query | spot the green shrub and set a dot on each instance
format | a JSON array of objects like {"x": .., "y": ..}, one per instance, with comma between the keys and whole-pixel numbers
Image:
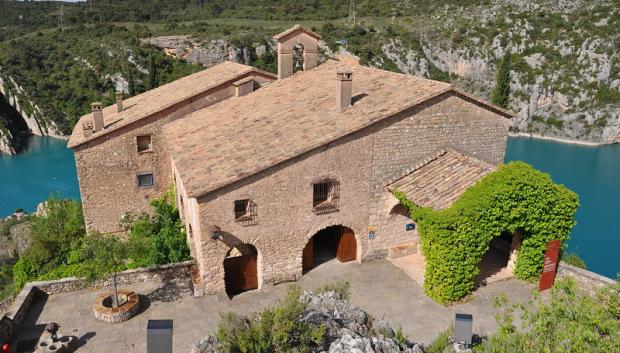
[
  {"x": 400, "y": 337},
  {"x": 440, "y": 343},
  {"x": 276, "y": 329},
  {"x": 161, "y": 236},
  {"x": 514, "y": 198},
  {"x": 571, "y": 320},
  {"x": 55, "y": 235},
  {"x": 60, "y": 248},
  {"x": 342, "y": 288},
  {"x": 6, "y": 281},
  {"x": 572, "y": 258}
]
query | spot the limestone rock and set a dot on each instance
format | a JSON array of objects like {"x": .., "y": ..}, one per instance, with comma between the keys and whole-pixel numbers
[{"x": 348, "y": 328}]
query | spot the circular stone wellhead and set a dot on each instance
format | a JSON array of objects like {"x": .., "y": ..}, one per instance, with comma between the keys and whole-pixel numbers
[{"x": 129, "y": 304}]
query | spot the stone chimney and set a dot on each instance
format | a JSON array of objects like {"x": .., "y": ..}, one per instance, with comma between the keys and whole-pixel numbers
[
  {"x": 244, "y": 86},
  {"x": 119, "y": 102},
  {"x": 87, "y": 127},
  {"x": 344, "y": 88},
  {"x": 97, "y": 116}
]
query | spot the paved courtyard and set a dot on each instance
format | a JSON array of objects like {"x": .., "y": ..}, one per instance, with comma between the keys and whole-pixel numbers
[{"x": 378, "y": 287}]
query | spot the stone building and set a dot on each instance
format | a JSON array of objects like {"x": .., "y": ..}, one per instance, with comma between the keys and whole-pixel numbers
[{"x": 274, "y": 176}]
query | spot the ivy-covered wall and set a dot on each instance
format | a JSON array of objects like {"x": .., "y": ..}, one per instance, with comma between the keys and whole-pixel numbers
[{"x": 514, "y": 197}]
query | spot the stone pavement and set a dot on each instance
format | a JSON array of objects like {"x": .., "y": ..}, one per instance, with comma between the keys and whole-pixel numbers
[{"x": 377, "y": 287}]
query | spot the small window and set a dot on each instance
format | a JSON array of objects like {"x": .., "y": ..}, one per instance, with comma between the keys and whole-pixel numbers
[
  {"x": 144, "y": 143},
  {"x": 245, "y": 212},
  {"x": 325, "y": 196},
  {"x": 145, "y": 180}
]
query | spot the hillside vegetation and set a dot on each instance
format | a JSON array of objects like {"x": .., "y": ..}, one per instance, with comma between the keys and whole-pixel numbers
[{"x": 564, "y": 65}]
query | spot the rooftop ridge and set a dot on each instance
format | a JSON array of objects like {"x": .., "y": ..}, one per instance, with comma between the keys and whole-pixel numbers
[{"x": 112, "y": 117}]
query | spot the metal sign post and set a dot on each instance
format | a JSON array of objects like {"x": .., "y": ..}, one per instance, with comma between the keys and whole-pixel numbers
[{"x": 550, "y": 265}]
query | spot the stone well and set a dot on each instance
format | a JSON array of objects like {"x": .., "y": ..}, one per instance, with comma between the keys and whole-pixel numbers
[{"x": 129, "y": 304}]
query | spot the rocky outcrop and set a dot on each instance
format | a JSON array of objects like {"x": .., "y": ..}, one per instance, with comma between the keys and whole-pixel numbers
[
  {"x": 348, "y": 328},
  {"x": 15, "y": 237},
  {"x": 33, "y": 116},
  {"x": 19, "y": 116},
  {"x": 207, "y": 53},
  {"x": 565, "y": 72}
]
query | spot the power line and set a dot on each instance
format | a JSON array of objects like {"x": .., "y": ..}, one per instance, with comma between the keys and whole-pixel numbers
[
  {"x": 61, "y": 17},
  {"x": 352, "y": 11}
]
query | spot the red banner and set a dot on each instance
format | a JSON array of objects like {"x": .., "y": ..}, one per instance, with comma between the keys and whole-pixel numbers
[{"x": 550, "y": 266}]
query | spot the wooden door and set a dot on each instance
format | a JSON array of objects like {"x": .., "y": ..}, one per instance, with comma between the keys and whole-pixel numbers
[
  {"x": 240, "y": 273},
  {"x": 347, "y": 246},
  {"x": 307, "y": 261}
]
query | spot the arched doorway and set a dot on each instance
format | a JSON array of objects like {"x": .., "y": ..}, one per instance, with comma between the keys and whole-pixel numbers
[
  {"x": 240, "y": 269},
  {"x": 494, "y": 263},
  {"x": 332, "y": 242}
]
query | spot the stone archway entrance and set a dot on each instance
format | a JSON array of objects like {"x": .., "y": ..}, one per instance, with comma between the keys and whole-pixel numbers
[
  {"x": 498, "y": 262},
  {"x": 332, "y": 242},
  {"x": 240, "y": 269}
]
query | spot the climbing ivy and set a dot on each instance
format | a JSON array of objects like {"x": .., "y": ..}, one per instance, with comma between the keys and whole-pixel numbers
[{"x": 515, "y": 197}]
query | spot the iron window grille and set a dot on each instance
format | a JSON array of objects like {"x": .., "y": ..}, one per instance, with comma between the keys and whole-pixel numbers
[
  {"x": 245, "y": 212},
  {"x": 325, "y": 196},
  {"x": 146, "y": 180}
]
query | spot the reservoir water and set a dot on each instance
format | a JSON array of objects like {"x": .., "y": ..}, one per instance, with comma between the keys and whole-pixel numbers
[
  {"x": 593, "y": 172},
  {"x": 45, "y": 166}
]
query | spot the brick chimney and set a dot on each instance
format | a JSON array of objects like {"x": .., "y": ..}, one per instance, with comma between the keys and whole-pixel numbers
[
  {"x": 119, "y": 102},
  {"x": 87, "y": 127},
  {"x": 97, "y": 116},
  {"x": 344, "y": 87}
]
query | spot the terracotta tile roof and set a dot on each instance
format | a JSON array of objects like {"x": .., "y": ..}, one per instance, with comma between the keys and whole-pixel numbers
[
  {"x": 441, "y": 179},
  {"x": 160, "y": 98},
  {"x": 242, "y": 136},
  {"x": 296, "y": 28}
]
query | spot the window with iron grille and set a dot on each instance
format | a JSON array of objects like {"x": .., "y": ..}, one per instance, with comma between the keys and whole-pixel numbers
[
  {"x": 245, "y": 212},
  {"x": 325, "y": 196}
]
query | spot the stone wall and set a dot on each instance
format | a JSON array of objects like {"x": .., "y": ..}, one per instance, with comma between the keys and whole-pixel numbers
[
  {"x": 155, "y": 273},
  {"x": 361, "y": 162},
  {"x": 285, "y": 219},
  {"x": 446, "y": 122},
  {"x": 587, "y": 280},
  {"x": 12, "y": 319},
  {"x": 108, "y": 167}
]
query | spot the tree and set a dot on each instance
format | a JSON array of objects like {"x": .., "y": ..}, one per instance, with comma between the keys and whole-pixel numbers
[
  {"x": 107, "y": 257},
  {"x": 501, "y": 94},
  {"x": 152, "y": 79}
]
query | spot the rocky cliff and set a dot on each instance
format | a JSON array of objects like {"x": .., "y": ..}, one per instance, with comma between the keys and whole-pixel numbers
[
  {"x": 348, "y": 329},
  {"x": 19, "y": 116},
  {"x": 565, "y": 67}
]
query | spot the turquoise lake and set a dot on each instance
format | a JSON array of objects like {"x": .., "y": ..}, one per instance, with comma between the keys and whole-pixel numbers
[
  {"x": 46, "y": 166},
  {"x": 593, "y": 172}
]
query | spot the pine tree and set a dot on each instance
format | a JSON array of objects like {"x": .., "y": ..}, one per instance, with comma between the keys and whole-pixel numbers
[
  {"x": 501, "y": 94},
  {"x": 152, "y": 81}
]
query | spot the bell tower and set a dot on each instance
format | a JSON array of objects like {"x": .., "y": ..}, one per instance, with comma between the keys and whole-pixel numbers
[{"x": 288, "y": 40}]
